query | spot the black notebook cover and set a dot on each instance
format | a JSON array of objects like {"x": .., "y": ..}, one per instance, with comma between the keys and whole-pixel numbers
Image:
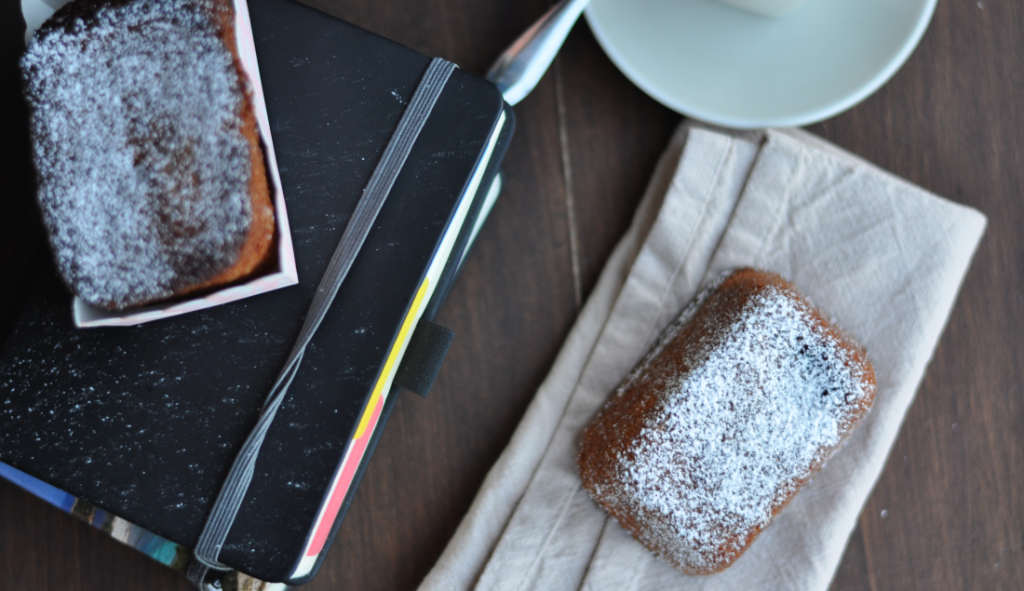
[{"x": 145, "y": 421}]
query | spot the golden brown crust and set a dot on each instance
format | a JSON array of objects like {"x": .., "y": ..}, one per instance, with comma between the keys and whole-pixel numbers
[
  {"x": 195, "y": 205},
  {"x": 256, "y": 249},
  {"x": 638, "y": 422}
]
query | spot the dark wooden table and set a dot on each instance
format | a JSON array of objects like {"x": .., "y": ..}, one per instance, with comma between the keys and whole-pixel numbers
[{"x": 948, "y": 512}]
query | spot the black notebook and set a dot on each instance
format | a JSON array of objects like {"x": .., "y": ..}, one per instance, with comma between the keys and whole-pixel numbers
[{"x": 145, "y": 421}]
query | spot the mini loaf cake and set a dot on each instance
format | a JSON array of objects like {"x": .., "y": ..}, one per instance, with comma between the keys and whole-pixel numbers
[
  {"x": 151, "y": 178},
  {"x": 716, "y": 431}
]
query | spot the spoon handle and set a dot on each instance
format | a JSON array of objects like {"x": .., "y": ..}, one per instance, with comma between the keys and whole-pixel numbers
[{"x": 521, "y": 66}]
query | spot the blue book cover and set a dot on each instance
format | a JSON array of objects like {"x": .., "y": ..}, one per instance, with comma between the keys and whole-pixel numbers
[{"x": 159, "y": 549}]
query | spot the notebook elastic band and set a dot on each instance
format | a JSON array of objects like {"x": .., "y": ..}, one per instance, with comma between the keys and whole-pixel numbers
[{"x": 233, "y": 491}]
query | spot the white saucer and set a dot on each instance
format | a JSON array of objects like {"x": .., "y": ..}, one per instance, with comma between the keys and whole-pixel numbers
[{"x": 725, "y": 66}]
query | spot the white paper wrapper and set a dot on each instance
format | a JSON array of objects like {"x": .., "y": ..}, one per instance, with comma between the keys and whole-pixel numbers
[{"x": 284, "y": 272}]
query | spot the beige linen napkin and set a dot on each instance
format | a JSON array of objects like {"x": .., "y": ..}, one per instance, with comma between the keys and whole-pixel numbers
[{"x": 883, "y": 257}]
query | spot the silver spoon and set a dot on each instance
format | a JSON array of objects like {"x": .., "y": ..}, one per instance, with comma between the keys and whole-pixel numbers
[{"x": 522, "y": 65}]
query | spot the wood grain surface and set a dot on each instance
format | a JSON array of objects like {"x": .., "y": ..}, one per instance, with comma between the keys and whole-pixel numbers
[{"x": 948, "y": 512}]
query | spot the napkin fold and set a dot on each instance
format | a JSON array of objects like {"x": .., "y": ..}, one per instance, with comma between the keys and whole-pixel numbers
[{"x": 883, "y": 257}]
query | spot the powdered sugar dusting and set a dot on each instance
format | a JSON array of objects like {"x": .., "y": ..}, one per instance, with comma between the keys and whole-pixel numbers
[
  {"x": 764, "y": 396},
  {"x": 144, "y": 171}
]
